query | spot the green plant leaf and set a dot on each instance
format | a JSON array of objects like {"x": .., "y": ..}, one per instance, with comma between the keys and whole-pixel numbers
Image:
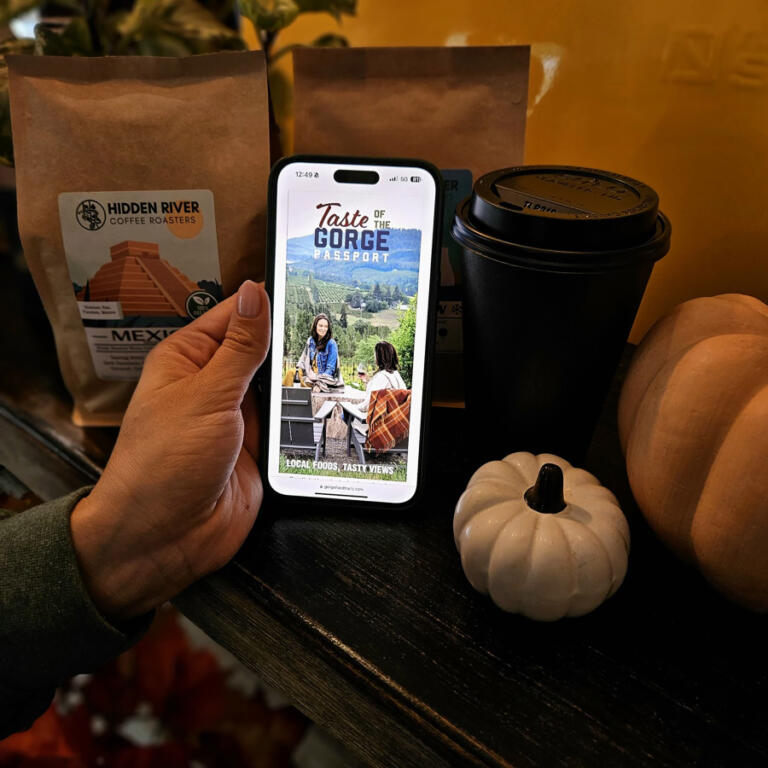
[
  {"x": 78, "y": 6},
  {"x": 250, "y": 9},
  {"x": 329, "y": 40},
  {"x": 186, "y": 20},
  {"x": 337, "y": 8},
  {"x": 8, "y": 46},
  {"x": 222, "y": 9},
  {"x": 271, "y": 16},
  {"x": 193, "y": 21},
  {"x": 163, "y": 45},
  {"x": 14, "y": 45},
  {"x": 72, "y": 40}
]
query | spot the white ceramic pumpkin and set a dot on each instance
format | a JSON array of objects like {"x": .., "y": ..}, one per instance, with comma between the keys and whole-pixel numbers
[{"x": 541, "y": 537}]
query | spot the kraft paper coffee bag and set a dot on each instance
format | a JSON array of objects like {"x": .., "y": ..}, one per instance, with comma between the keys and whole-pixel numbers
[
  {"x": 463, "y": 109},
  {"x": 141, "y": 200}
]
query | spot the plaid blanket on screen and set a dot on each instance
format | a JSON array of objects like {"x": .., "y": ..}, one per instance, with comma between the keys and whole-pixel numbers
[{"x": 389, "y": 415}]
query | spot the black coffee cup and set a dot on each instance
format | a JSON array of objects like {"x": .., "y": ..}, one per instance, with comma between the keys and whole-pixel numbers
[{"x": 556, "y": 260}]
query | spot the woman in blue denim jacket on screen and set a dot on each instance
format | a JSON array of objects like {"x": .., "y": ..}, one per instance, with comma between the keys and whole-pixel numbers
[{"x": 319, "y": 362}]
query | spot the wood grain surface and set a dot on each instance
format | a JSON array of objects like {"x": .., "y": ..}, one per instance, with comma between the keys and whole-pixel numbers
[{"x": 368, "y": 624}]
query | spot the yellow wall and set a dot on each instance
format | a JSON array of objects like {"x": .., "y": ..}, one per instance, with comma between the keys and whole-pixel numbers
[{"x": 675, "y": 94}]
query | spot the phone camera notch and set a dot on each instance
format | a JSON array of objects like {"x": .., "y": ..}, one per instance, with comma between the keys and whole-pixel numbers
[{"x": 348, "y": 176}]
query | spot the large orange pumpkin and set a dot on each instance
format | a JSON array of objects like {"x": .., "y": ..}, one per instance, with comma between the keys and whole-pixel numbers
[{"x": 693, "y": 423}]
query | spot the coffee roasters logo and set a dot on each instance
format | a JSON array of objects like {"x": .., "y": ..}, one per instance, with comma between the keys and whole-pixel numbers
[{"x": 90, "y": 215}]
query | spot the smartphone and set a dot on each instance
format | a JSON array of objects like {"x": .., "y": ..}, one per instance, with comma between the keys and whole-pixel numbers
[{"x": 352, "y": 269}]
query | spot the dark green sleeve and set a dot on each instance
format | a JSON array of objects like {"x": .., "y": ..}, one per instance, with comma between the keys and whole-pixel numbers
[{"x": 49, "y": 627}]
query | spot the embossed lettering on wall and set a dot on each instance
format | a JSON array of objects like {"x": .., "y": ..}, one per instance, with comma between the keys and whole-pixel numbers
[{"x": 736, "y": 56}]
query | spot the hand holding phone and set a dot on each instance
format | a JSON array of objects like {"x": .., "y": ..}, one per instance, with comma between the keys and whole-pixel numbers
[{"x": 352, "y": 269}]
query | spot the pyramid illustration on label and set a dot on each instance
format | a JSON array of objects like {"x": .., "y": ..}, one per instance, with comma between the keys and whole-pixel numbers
[{"x": 141, "y": 281}]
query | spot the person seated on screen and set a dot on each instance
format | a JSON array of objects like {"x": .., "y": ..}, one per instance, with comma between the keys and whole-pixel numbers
[
  {"x": 386, "y": 377},
  {"x": 319, "y": 362}
]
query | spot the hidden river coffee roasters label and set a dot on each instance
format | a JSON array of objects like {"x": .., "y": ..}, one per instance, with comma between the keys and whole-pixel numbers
[{"x": 142, "y": 265}]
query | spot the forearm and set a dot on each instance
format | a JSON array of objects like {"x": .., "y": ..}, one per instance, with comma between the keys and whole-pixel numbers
[
  {"x": 176, "y": 500},
  {"x": 50, "y": 628}
]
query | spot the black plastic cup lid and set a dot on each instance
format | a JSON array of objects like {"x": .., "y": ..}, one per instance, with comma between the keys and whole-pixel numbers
[{"x": 574, "y": 219}]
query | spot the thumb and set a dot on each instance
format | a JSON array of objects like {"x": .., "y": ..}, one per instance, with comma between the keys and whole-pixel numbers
[{"x": 245, "y": 343}]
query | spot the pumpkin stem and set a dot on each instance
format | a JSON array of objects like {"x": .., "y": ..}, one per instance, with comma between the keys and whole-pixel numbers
[{"x": 546, "y": 496}]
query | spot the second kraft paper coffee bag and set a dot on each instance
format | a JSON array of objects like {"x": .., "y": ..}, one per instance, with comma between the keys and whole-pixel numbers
[
  {"x": 463, "y": 109},
  {"x": 142, "y": 202}
]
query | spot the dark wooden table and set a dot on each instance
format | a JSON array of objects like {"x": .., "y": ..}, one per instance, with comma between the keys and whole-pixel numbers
[{"x": 367, "y": 623}]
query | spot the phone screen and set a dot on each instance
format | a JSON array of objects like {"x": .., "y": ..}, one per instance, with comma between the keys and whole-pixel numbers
[{"x": 351, "y": 289}]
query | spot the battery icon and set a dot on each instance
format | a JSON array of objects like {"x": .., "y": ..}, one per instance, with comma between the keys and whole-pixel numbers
[{"x": 415, "y": 178}]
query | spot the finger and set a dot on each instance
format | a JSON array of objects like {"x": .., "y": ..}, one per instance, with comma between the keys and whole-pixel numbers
[
  {"x": 201, "y": 338},
  {"x": 188, "y": 349},
  {"x": 243, "y": 347}
]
